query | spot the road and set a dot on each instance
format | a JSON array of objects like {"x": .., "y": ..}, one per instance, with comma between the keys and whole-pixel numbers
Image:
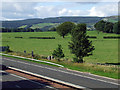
[
  {"x": 17, "y": 82},
  {"x": 77, "y": 78}
]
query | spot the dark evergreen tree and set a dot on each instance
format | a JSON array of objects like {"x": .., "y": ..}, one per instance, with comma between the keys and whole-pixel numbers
[
  {"x": 80, "y": 45},
  {"x": 100, "y": 25},
  {"x": 64, "y": 28},
  {"x": 116, "y": 27},
  {"x": 108, "y": 27},
  {"x": 58, "y": 53}
]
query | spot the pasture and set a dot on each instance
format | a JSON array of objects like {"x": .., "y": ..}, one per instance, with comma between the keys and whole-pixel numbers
[{"x": 106, "y": 50}]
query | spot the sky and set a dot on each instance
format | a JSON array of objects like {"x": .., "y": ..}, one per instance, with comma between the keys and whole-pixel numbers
[{"x": 24, "y": 9}]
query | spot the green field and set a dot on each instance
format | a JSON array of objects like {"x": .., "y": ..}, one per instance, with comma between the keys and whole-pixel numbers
[
  {"x": 24, "y": 26},
  {"x": 41, "y": 25},
  {"x": 106, "y": 50}
]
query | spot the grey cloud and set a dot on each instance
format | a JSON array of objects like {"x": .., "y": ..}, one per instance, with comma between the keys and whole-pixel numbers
[{"x": 17, "y": 10}]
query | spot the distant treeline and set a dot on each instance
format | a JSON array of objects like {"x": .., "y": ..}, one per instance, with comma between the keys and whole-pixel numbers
[
  {"x": 108, "y": 27},
  {"x": 19, "y": 30}
]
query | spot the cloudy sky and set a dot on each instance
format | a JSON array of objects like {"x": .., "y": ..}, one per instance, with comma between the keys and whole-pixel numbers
[{"x": 16, "y": 10}]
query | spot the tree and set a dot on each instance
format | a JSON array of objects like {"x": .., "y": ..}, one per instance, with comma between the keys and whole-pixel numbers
[
  {"x": 64, "y": 28},
  {"x": 80, "y": 45},
  {"x": 108, "y": 27},
  {"x": 53, "y": 29},
  {"x": 58, "y": 53},
  {"x": 100, "y": 25},
  {"x": 116, "y": 27}
]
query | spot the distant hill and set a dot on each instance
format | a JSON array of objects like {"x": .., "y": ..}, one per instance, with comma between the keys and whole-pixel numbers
[
  {"x": 112, "y": 19},
  {"x": 50, "y": 22}
]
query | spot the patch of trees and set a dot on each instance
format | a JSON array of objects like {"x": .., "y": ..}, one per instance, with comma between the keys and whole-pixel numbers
[
  {"x": 108, "y": 27},
  {"x": 20, "y": 30}
]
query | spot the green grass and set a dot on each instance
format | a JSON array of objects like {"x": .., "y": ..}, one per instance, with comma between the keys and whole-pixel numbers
[
  {"x": 23, "y": 26},
  {"x": 106, "y": 50},
  {"x": 41, "y": 25},
  {"x": 106, "y": 71}
]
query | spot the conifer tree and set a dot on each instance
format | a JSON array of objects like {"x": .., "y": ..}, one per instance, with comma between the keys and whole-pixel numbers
[
  {"x": 80, "y": 45},
  {"x": 58, "y": 53}
]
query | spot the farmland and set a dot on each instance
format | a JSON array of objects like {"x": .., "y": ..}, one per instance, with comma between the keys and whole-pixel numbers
[{"x": 106, "y": 50}]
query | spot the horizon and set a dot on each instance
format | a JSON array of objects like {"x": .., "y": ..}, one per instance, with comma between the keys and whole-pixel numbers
[{"x": 58, "y": 17}]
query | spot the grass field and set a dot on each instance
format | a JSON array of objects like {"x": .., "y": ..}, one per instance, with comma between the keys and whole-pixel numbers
[
  {"x": 41, "y": 25},
  {"x": 23, "y": 26},
  {"x": 106, "y": 50}
]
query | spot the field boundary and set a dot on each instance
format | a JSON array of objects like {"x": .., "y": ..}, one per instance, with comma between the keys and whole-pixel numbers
[{"x": 33, "y": 60}]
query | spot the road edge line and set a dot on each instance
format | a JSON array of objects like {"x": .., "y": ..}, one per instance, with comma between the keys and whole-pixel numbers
[{"x": 49, "y": 78}]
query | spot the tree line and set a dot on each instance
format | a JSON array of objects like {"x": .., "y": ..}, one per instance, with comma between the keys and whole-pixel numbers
[{"x": 108, "y": 27}]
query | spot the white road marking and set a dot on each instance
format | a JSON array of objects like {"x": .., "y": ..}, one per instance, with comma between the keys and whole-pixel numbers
[
  {"x": 49, "y": 78},
  {"x": 65, "y": 72},
  {"x": 32, "y": 81}
]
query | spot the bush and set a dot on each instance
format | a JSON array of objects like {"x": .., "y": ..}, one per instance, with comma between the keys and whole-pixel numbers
[
  {"x": 6, "y": 49},
  {"x": 37, "y": 57}
]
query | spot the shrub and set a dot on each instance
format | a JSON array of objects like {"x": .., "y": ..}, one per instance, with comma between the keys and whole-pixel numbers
[{"x": 6, "y": 49}]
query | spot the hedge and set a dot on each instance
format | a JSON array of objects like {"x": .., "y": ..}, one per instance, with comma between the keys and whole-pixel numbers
[
  {"x": 42, "y": 37},
  {"x": 111, "y": 37}
]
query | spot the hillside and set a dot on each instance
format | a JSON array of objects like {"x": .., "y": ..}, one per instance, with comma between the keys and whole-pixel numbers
[
  {"x": 112, "y": 19},
  {"x": 50, "y": 22}
]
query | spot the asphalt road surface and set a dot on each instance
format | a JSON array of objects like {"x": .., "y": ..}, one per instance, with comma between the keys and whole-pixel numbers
[
  {"x": 12, "y": 81},
  {"x": 77, "y": 78}
]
